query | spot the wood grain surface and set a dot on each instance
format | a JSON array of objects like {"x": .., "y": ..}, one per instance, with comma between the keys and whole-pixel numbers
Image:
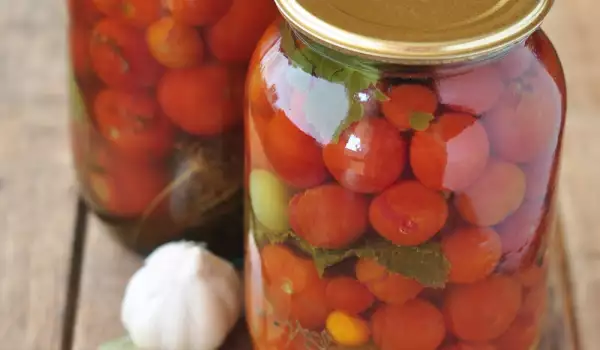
[
  {"x": 38, "y": 196},
  {"x": 106, "y": 269},
  {"x": 37, "y": 193},
  {"x": 575, "y": 35}
]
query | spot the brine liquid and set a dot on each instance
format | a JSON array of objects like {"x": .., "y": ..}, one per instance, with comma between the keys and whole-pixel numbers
[
  {"x": 399, "y": 212},
  {"x": 157, "y": 90}
]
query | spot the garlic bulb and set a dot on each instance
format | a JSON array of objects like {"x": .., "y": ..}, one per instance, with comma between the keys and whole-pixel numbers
[{"x": 183, "y": 298}]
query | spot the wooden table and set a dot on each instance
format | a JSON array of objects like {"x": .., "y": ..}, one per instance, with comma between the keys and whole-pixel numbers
[{"x": 61, "y": 278}]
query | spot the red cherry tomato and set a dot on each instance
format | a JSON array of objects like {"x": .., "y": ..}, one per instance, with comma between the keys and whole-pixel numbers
[
  {"x": 521, "y": 335},
  {"x": 483, "y": 310},
  {"x": 311, "y": 214},
  {"x": 469, "y": 346},
  {"x": 540, "y": 176},
  {"x": 451, "y": 154},
  {"x": 107, "y": 7},
  {"x": 268, "y": 86},
  {"x": 120, "y": 56},
  {"x": 133, "y": 123},
  {"x": 517, "y": 61},
  {"x": 408, "y": 213},
  {"x": 417, "y": 324},
  {"x": 173, "y": 44},
  {"x": 83, "y": 11},
  {"x": 348, "y": 295},
  {"x": 206, "y": 100},
  {"x": 141, "y": 13},
  {"x": 123, "y": 188},
  {"x": 518, "y": 233},
  {"x": 473, "y": 253},
  {"x": 404, "y": 100},
  {"x": 79, "y": 48},
  {"x": 138, "y": 13},
  {"x": 474, "y": 92},
  {"x": 497, "y": 193},
  {"x": 198, "y": 12},
  {"x": 295, "y": 156},
  {"x": 369, "y": 156},
  {"x": 389, "y": 287},
  {"x": 234, "y": 37},
  {"x": 527, "y": 122}
]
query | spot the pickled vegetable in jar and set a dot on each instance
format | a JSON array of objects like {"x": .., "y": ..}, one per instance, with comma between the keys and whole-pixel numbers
[
  {"x": 401, "y": 170},
  {"x": 157, "y": 90}
]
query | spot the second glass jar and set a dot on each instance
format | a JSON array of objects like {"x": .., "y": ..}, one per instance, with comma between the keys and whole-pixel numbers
[
  {"x": 399, "y": 208},
  {"x": 157, "y": 91}
]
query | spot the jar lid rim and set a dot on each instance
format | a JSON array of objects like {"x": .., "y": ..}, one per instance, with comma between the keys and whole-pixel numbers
[{"x": 416, "y": 32}]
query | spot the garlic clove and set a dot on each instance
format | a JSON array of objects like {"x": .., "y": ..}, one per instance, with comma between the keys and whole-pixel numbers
[{"x": 184, "y": 297}]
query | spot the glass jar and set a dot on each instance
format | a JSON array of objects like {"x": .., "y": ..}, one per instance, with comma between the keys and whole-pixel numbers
[
  {"x": 156, "y": 121},
  {"x": 401, "y": 178}
]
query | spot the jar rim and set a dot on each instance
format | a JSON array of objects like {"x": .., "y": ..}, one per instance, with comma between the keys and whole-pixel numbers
[{"x": 416, "y": 32}]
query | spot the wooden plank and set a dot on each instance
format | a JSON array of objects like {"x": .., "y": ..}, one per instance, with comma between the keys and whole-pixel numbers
[
  {"x": 560, "y": 330},
  {"x": 107, "y": 266},
  {"x": 575, "y": 36},
  {"x": 37, "y": 196}
]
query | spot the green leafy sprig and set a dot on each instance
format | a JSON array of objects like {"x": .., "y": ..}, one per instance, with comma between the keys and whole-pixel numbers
[
  {"x": 78, "y": 108},
  {"x": 420, "y": 121},
  {"x": 310, "y": 339},
  {"x": 123, "y": 343},
  {"x": 355, "y": 74},
  {"x": 425, "y": 263}
]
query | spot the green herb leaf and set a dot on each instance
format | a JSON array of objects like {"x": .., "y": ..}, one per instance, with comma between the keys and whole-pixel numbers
[
  {"x": 263, "y": 235},
  {"x": 124, "y": 343},
  {"x": 324, "y": 258},
  {"x": 312, "y": 340},
  {"x": 356, "y": 75},
  {"x": 358, "y": 82},
  {"x": 327, "y": 69},
  {"x": 380, "y": 96},
  {"x": 299, "y": 58},
  {"x": 424, "y": 263},
  {"x": 287, "y": 39},
  {"x": 420, "y": 121},
  {"x": 320, "y": 63},
  {"x": 340, "y": 76},
  {"x": 355, "y": 113},
  {"x": 78, "y": 109},
  {"x": 369, "y": 346},
  {"x": 301, "y": 61},
  {"x": 539, "y": 261},
  {"x": 542, "y": 252}
]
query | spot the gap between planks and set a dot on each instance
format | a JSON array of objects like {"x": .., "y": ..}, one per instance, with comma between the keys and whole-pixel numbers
[{"x": 74, "y": 278}]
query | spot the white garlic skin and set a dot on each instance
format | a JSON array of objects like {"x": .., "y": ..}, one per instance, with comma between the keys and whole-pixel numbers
[{"x": 183, "y": 298}]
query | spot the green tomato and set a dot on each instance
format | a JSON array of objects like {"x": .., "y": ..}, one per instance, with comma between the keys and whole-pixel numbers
[{"x": 269, "y": 197}]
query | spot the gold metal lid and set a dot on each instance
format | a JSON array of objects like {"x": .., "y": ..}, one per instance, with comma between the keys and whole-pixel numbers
[{"x": 416, "y": 31}]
